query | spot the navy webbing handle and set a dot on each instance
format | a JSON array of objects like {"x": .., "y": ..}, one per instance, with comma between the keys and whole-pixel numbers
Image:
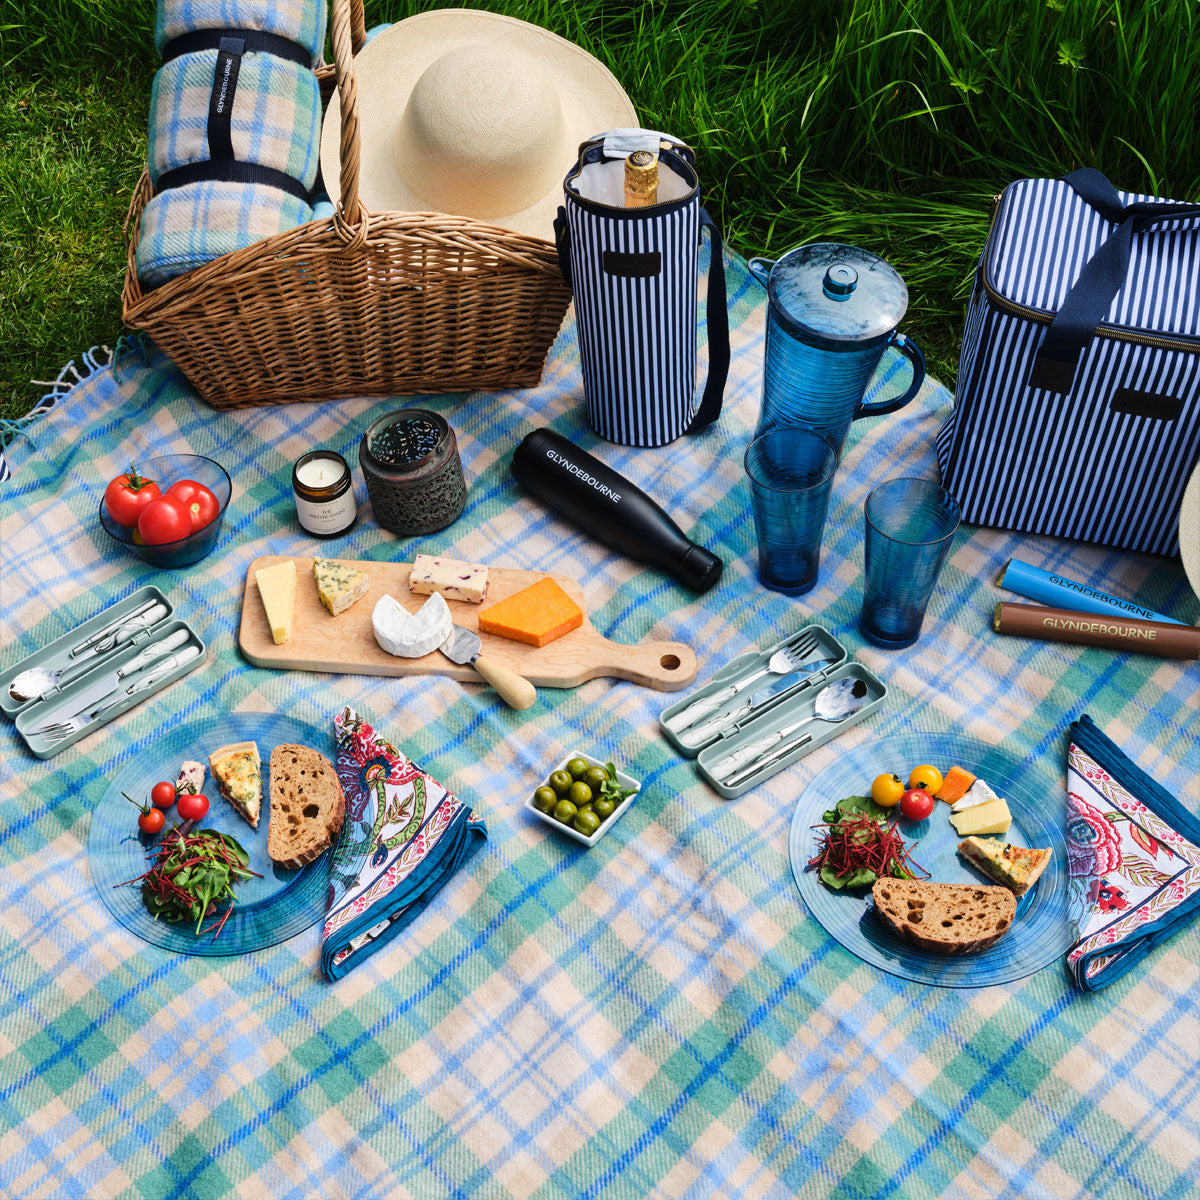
[{"x": 1088, "y": 302}]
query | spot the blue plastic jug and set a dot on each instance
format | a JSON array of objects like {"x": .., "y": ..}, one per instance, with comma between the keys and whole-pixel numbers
[{"x": 833, "y": 310}]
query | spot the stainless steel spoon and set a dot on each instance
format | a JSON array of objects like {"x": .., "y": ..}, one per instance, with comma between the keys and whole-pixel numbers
[{"x": 833, "y": 703}]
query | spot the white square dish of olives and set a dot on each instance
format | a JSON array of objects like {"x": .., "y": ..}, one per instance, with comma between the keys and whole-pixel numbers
[{"x": 625, "y": 783}]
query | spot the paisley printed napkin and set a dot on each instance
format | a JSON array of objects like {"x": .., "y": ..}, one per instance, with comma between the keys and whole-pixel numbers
[
  {"x": 1133, "y": 860},
  {"x": 405, "y": 836}
]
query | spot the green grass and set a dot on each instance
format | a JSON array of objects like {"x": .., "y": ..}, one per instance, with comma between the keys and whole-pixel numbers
[{"x": 885, "y": 123}]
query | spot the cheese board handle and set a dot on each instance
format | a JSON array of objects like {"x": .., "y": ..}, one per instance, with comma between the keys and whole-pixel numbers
[
  {"x": 516, "y": 691},
  {"x": 666, "y": 666}
]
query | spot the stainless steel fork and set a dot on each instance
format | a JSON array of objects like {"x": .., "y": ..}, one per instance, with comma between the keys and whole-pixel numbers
[{"x": 788, "y": 658}]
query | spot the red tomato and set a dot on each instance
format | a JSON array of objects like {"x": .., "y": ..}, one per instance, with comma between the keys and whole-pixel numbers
[
  {"x": 152, "y": 821},
  {"x": 916, "y": 804},
  {"x": 164, "y": 520},
  {"x": 127, "y": 495},
  {"x": 202, "y": 505},
  {"x": 193, "y": 806},
  {"x": 162, "y": 795}
]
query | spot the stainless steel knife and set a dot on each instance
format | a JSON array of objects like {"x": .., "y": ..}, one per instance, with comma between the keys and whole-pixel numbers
[
  {"x": 110, "y": 681},
  {"x": 463, "y": 646}
]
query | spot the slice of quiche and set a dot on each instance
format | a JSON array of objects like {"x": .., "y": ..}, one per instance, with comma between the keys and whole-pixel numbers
[
  {"x": 238, "y": 772},
  {"x": 1017, "y": 868}
]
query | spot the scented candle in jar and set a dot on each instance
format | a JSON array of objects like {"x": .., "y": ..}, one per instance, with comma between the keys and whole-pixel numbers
[{"x": 324, "y": 491}]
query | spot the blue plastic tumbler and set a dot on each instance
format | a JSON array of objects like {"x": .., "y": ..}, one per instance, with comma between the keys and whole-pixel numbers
[
  {"x": 911, "y": 524},
  {"x": 790, "y": 473},
  {"x": 832, "y": 312}
]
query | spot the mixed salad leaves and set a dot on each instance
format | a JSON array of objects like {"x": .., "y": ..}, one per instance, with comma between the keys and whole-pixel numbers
[{"x": 859, "y": 845}]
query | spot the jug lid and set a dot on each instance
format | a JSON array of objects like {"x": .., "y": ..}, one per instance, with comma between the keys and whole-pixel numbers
[{"x": 840, "y": 293}]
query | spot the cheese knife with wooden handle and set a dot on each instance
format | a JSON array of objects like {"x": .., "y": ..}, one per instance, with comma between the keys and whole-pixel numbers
[{"x": 463, "y": 647}]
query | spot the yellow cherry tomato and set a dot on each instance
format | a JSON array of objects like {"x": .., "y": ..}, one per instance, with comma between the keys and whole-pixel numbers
[
  {"x": 926, "y": 777},
  {"x": 886, "y": 790}
]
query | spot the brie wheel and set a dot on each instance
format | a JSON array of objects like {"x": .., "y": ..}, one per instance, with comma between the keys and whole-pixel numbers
[{"x": 411, "y": 635}]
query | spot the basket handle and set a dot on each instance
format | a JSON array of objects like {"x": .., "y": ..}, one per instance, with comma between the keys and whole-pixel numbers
[{"x": 348, "y": 29}]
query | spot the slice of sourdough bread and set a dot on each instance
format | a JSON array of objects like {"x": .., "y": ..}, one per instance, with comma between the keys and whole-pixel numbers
[
  {"x": 945, "y": 918},
  {"x": 307, "y": 806}
]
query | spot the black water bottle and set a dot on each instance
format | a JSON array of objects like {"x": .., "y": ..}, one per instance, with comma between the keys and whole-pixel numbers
[{"x": 607, "y": 506}]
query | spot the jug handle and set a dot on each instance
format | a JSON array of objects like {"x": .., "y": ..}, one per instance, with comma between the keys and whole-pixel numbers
[
  {"x": 912, "y": 352},
  {"x": 760, "y": 268}
]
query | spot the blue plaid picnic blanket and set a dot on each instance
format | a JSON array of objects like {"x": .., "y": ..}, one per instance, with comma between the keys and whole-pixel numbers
[{"x": 654, "y": 1017}]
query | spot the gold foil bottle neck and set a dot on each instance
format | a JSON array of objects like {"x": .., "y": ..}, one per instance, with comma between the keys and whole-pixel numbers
[{"x": 641, "y": 179}]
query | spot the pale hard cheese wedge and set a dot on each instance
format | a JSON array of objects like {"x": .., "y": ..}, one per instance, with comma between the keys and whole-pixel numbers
[
  {"x": 978, "y": 793},
  {"x": 992, "y": 817},
  {"x": 277, "y": 587},
  {"x": 448, "y": 577},
  {"x": 338, "y": 584},
  {"x": 411, "y": 635}
]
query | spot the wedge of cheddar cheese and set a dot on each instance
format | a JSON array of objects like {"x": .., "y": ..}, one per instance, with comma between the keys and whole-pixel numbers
[
  {"x": 277, "y": 587},
  {"x": 535, "y": 615}
]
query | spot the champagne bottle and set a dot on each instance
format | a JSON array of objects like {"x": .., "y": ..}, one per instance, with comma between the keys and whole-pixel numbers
[{"x": 641, "y": 179}]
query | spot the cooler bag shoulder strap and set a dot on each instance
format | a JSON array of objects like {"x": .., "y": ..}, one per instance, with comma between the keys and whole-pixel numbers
[
  {"x": 1088, "y": 301},
  {"x": 717, "y": 317}
]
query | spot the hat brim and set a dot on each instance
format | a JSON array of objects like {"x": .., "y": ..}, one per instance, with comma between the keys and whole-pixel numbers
[
  {"x": 1189, "y": 530},
  {"x": 388, "y": 67}
]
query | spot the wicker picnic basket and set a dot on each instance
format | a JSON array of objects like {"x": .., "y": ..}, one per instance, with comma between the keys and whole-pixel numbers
[{"x": 359, "y": 303}]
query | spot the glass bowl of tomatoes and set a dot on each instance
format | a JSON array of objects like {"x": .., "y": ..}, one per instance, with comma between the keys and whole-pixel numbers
[{"x": 169, "y": 509}]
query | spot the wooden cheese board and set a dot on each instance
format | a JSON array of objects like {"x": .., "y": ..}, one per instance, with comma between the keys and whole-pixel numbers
[{"x": 346, "y": 644}]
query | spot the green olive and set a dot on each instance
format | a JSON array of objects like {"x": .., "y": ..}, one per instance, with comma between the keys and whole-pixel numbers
[
  {"x": 544, "y": 799},
  {"x": 588, "y": 807},
  {"x": 560, "y": 781},
  {"x": 565, "y": 811},
  {"x": 578, "y": 767},
  {"x": 587, "y": 823},
  {"x": 595, "y": 778},
  {"x": 580, "y": 793},
  {"x": 603, "y": 807}
]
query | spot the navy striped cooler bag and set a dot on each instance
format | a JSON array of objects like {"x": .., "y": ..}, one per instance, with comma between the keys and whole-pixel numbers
[
  {"x": 1077, "y": 411},
  {"x": 634, "y": 274}
]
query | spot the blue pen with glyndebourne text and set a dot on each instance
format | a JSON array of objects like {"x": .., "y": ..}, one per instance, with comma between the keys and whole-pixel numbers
[{"x": 1059, "y": 592}]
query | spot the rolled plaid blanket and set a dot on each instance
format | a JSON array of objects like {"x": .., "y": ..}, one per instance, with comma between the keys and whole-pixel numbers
[
  {"x": 235, "y": 127},
  {"x": 275, "y": 117},
  {"x": 186, "y": 227},
  {"x": 301, "y": 21}
]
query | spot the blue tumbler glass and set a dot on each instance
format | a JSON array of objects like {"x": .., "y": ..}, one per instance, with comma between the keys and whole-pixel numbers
[
  {"x": 832, "y": 312},
  {"x": 911, "y": 524},
  {"x": 790, "y": 473}
]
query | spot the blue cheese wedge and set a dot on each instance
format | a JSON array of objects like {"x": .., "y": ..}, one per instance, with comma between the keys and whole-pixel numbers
[
  {"x": 411, "y": 635},
  {"x": 978, "y": 793},
  {"x": 448, "y": 577},
  {"x": 238, "y": 772},
  {"x": 338, "y": 584}
]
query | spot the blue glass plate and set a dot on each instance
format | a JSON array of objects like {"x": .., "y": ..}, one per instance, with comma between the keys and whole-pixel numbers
[
  {"x": 1038, "y": 936},
  {"x": 268, "y": 910}
]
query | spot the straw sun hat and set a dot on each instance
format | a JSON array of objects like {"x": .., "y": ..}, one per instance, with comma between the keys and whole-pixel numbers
[
  {"x": 472, "y": 113},
  {"x": 1189, "y": 530}
]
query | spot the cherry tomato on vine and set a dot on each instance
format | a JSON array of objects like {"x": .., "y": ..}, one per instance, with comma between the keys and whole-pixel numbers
[
  {"x": 162, "y": 795},
  {"x": 127, "y": 495},
  {"x": 192, "y": 806},
  {"x": 916, "y": 804},
  {"x": 164, "y": 520},
  {"x": 150, "y": 820}
]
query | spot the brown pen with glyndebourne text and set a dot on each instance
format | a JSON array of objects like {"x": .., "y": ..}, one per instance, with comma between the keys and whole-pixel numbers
[{"x": 1091, "y": 629}]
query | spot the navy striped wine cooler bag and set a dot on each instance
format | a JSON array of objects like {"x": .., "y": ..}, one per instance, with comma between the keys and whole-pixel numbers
[
  {"x": 1077, "y": 411},
  {"x": 634, "y": 274}
]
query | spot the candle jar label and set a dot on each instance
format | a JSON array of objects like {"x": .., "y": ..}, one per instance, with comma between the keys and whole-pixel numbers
[{"x": 325, "y": 517}]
